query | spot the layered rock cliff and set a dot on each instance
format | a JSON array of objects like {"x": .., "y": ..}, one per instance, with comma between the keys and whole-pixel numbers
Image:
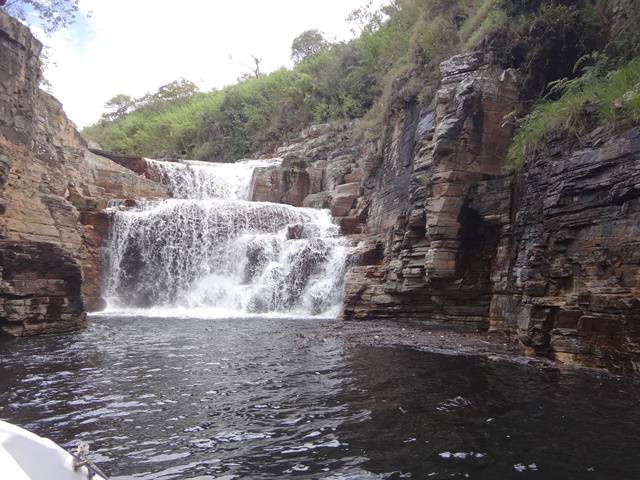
[
  {"x": 449, "y": 235},
  {"x": 52, "y": 192}
]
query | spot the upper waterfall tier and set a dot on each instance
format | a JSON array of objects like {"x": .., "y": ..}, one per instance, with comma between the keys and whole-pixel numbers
[
  {"x": 203, "y": 180},
  {"x": 209, "y": 249}
]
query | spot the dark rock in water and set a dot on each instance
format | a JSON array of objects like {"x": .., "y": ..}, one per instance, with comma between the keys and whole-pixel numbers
[
  {"x": 295, "y": 232},
  {"x": 260, "y": 252},
  {"x": 40, "y": 289}
]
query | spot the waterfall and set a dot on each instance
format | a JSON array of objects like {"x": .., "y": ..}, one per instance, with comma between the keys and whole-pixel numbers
[{"x": 210, "y": 251}]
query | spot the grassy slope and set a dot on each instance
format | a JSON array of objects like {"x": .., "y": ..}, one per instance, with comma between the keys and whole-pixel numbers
[{"x": 393, "y": 62}]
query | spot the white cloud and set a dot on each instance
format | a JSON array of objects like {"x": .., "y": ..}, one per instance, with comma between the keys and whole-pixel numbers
[{"x": 135, "y": 46}]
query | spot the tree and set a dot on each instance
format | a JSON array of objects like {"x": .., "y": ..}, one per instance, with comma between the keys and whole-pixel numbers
[
  {"x": 118, "y": 106},
  {"x": 176, "y": 90},
  {"x": 255, "y": 70},
  {"x": 51, "y": 15},
  {"x": 307, "y": 44},
  {"x": 171, "y": 92}
]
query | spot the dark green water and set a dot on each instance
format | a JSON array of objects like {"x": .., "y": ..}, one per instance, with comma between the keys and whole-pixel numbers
[{"x": 268, "y": 398}]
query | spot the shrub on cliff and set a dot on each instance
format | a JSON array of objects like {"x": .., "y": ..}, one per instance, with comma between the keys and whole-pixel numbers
[
  {"x": 577, "y": 63},
  {"x": 595, "y": 96}
]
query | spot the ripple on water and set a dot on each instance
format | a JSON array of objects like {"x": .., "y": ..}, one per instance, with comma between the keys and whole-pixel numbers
[{"x": 259, "y": 399}]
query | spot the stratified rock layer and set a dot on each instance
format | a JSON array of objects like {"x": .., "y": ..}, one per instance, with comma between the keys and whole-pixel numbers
[
  {"x": 319, "y": 170},
  {"x": 548, "y": 255},
  {"x": 568, "y": 284},
  {"x": 438, "y": 245},
  {"x": 40, "y": 289},
  {"x": 447, "y": 235},
  {"x": 52, "y": 189}
]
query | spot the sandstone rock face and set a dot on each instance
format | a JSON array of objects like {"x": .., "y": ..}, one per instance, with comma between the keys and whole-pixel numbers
[
  {"x": 52, "y": 188},
  {"x": 321, "y": 169},
  {"x": 287, "y": 183},
  {"x": 132, "y": 162},
  {"x": 40, "y": 289},
  {"x": 19, "y": 78},
  {"x": 447, "y": 235},
  {"x": 438, "y": 244},
  {"x": 548, "y": 255},
  {"x": 569, "y": 285}
]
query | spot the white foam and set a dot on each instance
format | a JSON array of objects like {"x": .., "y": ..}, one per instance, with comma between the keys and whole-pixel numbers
[{"x": 219, "y": 256}]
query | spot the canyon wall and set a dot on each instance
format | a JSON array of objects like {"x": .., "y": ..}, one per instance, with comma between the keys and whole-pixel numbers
[
  {"x": 447, "y": 234},
  {"x": 52, "y": 192}
]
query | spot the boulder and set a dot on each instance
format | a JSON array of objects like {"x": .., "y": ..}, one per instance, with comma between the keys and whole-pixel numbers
[
  {"x": 344, "y": 198},
  {"x": 317, "y": 200}
]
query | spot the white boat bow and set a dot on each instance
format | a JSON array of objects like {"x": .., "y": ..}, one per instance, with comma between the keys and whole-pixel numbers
[{"x": 27, "y": 456}]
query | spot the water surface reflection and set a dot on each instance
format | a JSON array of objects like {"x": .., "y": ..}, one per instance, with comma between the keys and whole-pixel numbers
[{"x": 272, "y": 398}]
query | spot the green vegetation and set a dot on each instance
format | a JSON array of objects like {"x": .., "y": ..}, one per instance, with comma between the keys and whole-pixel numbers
[
  {"x": 487, "y": 18},
  {"x": 594, "y": 96},
  {"x": 391, "y": 64},
  {"x": 577, "y": 67},
  {"x": 329, "y": 82},
  {"x": 50, "y": 15}
]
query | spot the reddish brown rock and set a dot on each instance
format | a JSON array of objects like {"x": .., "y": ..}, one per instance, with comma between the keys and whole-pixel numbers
[
  {"x": 548, "y": 256},
  {"x": 317, "y": 200},
  {"x": 52, "y": 187},
  {"x": 40, "y": 289},
  {"x": 133, "y": 162},
  {"x": 438, "y": 248},
  {"x": 568, "y": 287},
  {"x": 344, "y": 198},
  {"x": 280, "y": 184},
  {"x": 350, "y": 225}
]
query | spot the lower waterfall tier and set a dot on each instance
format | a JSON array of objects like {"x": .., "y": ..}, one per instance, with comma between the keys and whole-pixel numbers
[{"x": 233, "y": 256}]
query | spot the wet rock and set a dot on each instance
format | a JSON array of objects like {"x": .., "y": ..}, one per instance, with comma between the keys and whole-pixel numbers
[
  {"x": 295, "y": 232},
  {"x": 350, "y": 225},
  {"x": 280, "y": 184},
  {"x": 40, "y": 289},
  {"x": 259, "y": 253}
]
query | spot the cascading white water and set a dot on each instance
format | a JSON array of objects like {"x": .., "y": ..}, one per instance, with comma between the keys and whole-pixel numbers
[
  {"x": 211, "y": 249},
  {"x": 206, "y": 180}
]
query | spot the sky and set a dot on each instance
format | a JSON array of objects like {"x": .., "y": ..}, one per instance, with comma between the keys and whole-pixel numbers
[{"x": 135, "y": 46}]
